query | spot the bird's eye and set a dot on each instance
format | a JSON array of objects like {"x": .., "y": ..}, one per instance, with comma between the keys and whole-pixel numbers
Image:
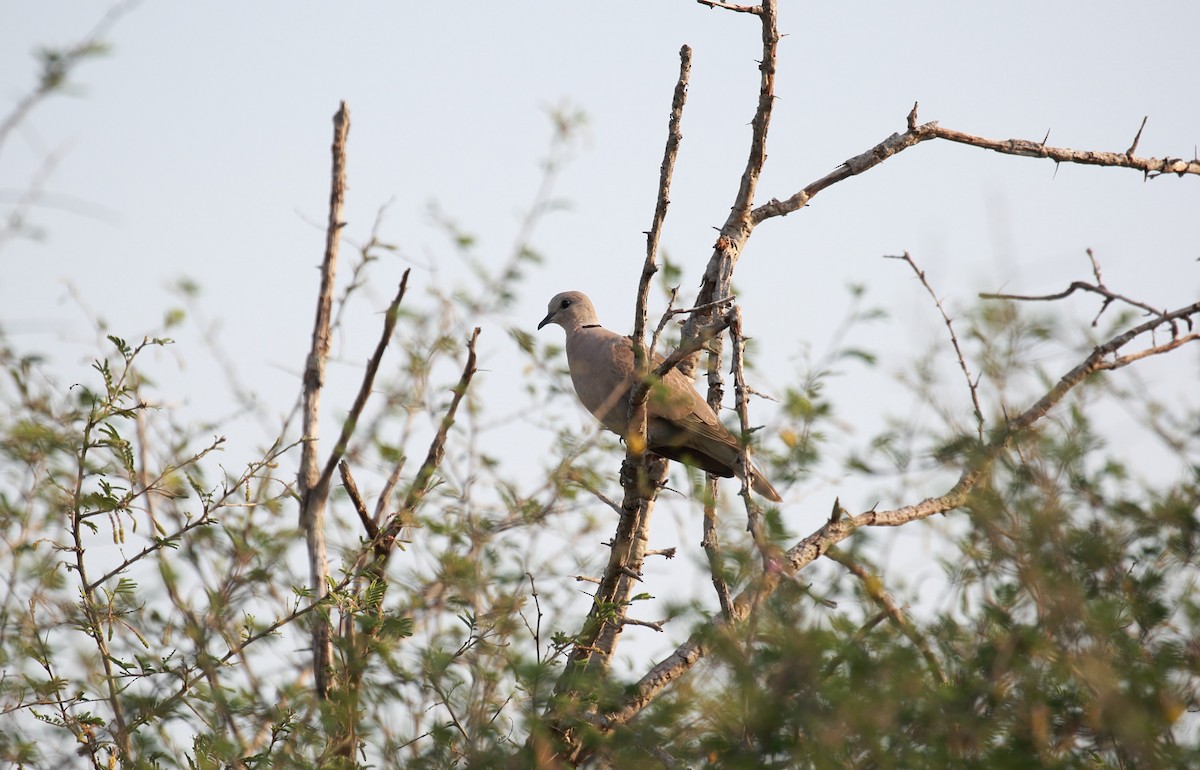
[{"x": 565, "y": 304}]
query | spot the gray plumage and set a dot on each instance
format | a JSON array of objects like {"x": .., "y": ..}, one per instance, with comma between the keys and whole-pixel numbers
[{"x": 679, "y": 423}]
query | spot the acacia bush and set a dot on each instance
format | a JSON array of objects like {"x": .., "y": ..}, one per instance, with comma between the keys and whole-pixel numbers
[{"x": 400, "y": 593}]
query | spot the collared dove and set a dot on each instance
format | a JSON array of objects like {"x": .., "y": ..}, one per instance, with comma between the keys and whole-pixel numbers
[{"x": 679, "y": 423}]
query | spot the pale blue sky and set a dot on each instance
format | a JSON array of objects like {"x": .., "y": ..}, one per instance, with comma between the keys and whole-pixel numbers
[{"x": 200, "y": 148}]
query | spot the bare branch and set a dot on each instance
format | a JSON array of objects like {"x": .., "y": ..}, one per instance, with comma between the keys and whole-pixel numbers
[
  {"x": 667, "y": 169},
  {"x": 311, "y": 484},
  {"x": 356, "y": 500},
  {"x": 754, "y": 9},
  {"x": 718, "y": 275},
  {"x": 636, "y": 438},
  {"x": 364, "y": 389},
  {"x": 1137, "y": 138},
  {"x": 1097, "y": 288},
  {"x": 738, "y": 369},
  {"x": 642, "y": 474},
  {"x": 920, "y": 133},
  {"x": 972, "y": 384},
  {"x": 437, "y": 450}
]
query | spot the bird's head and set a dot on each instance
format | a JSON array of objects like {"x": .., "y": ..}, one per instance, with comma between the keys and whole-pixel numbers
[{"x": 570, "y": 310}]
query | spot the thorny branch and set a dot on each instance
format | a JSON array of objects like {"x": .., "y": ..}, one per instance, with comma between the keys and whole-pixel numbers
[
  {"x": 642, "y": 474},
  {"x": 896, "y": 143}
]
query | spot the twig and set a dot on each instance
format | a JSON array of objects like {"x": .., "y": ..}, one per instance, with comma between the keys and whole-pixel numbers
[
  {"x": 437, "y": 450},
  {"x": 535, "y": 632},
  {"x": 972, "y": 384},
  {"x": 656, "y": 625},
  {"x": 859, "y": 635},
  {"x": 1167, "y": 347},
  {"x": 754, "y": 9},
  {"x": 58, "y": 64},
  {"x": 364, "y": 389},
  {"x": 874, "y": 588},
  {"x": 711, "y": 543},
  {"x": 1136, "y": 139},
  {"x": 312, "y": 485},
  {"x": 1097, "y": 288},
  {"x": 356, "y": 500},
  {"x": 700, "y": 341},
  {"x": 737, "y": 367},
  {"x": 386, "y": 493}
]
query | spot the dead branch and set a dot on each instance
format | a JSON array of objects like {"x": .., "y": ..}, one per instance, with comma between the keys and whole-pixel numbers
[
  {"x": 738, "y": 369},
  {"x": 312, "y": 491},
  {"x": 718, "y": 275},
  {"x": 666, "y": 171},
  {"x": 754, "y": 9},
  {"x": 916, "y": 134},
  {"x": 356, "y": 500},
  {"x": 1097, "y": 288}
]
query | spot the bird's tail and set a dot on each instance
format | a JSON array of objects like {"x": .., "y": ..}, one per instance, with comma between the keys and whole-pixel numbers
[{"x": 763, "y": 487}]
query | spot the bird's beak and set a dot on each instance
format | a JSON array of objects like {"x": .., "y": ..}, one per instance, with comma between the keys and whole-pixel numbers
[{"x": 546, "y": 320}]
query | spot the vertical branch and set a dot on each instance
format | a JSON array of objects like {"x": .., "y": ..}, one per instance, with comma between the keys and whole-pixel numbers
[
  {"x": 740, "y": 391},
  {"x": 718, "y": 276},
  {"x": 642, "y": 476},
  {"x": 636, "y": 438},
  {"x": 344, "y": 739},
  {"x": 660, "y": 210},
  {"x": 710, "y": 540},
  {"x": 88, "y": 599},
  {"x": 312, "y": 486}
]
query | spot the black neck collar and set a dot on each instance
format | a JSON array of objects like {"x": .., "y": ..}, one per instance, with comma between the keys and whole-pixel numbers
[{"x": 590, "y": 326}]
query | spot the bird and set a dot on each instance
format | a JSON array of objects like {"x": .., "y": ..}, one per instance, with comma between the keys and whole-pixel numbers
[{"x": 680, "y": 425}]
